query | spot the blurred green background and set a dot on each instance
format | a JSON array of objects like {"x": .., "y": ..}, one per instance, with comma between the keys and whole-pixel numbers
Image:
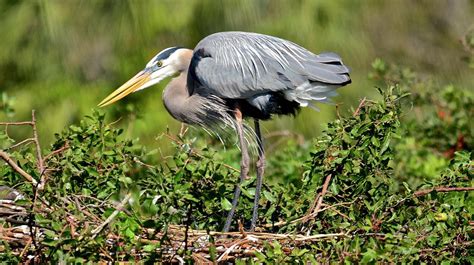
[{"x": 62, "y": 57}]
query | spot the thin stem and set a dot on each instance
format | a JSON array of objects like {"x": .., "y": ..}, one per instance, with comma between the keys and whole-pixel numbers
[
  {"x": 15, "y": 167},
  {"x": 318, "y": 200},
  {"x": 20, "y": 143},
  {"x": 442, "y": 189},
  {"x": 38, "y": 151},
  {"x": 118, "y": 209},
  {"x": 18, "y": 123}
]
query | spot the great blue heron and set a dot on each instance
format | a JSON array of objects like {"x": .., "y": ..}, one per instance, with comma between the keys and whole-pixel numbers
[{"x": 232, "y": 75}]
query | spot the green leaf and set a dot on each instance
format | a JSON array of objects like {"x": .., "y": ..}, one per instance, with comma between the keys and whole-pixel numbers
[
  {"x": 369, "y": 256},
  {"x": 149, "y": 248},
  {"x": 225, "y": 204}
]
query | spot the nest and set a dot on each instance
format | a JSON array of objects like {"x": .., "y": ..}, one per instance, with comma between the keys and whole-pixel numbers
[{"x": 24, "y": 238}]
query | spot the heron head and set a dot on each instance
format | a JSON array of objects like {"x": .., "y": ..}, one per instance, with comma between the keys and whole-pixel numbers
[{"x": 166, "y": 63}]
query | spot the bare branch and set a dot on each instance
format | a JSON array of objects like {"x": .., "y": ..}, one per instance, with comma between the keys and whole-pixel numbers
[
  {"x": 442, "y": 189},
  {"x": 118, "y": 209},
  {"x": 15, "y": 167},
  {"x": 323, "y": 192},
  {"x": 39, "y": 158},
  {"x": 55, "y": 152},
  {"x": 18, "y": 123},
  {"x": 306, "y": 216},
  {"x": 319, "y": 200},
  {"x": 27, "y": 140},
  {"x": 25, "y": 249},
  {"x": 361, "y": 104}
]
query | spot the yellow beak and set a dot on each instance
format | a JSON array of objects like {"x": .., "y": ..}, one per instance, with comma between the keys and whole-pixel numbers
[{"x": 132, "y": 85}]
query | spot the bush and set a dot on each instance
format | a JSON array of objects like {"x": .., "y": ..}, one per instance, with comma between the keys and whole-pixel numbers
[{"x": 389, "y": 182}]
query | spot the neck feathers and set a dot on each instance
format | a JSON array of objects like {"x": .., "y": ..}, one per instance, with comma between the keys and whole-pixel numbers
[
  {"x": 183, "y": 59},
  {"x": 176, "y": 97},
  {"x": 192, "y": 108}
]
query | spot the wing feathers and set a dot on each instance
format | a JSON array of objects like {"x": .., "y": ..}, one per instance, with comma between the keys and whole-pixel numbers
[{"x": 242, "y": 65}]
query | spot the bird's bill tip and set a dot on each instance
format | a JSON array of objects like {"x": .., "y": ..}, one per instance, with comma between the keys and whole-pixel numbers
[{"x": 132, "y": 85}]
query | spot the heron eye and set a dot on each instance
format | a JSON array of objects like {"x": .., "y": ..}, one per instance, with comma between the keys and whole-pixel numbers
[{"x": 159, "y": 63}]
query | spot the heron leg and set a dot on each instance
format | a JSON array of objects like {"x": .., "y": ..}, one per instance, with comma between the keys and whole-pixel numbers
[
  {"x": 244, "y": 167},
  {"x": 260, "y": 170}
]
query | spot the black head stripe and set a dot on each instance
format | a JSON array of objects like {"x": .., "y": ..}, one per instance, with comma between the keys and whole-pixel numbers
[{"x": 166, "y": 53}]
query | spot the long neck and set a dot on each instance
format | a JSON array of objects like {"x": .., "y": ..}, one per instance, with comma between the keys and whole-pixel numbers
[
  {"x": 176, "y": 96},
  {"x": 188, "y": 107},
  {"x": 177, "y": 99},
  {"x": 194, "y": 108}
]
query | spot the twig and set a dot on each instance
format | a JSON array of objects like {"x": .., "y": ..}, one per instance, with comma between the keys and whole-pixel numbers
[
  {"x": 104, "y": 252},
  {"x": 179, "y": 231},
  {"x": 241, "y": 229},
  {"x": 442, "y": 189},
  {"x": 276, "y": 144},
  {"x": 199, "y": 259},
  {"x": 281, "y": 223},
  {"x": 31, "y": 218},
  {"x": 188, "y": 223},
  {"x": 16, "y": 123},
  {"x": 320, "y": 202},
  {"x": 361, "y": 104},
  {"x": 137, "y": 160},
  {"x": 229, "y": 250},
  {"x": 15, "y": 167},
  {"x": 314, "y": 237},
  {"x": 319, "y": 199},
  {"x": 19, "y": 222},
  {"x": 38, "y": 151},
  {"x": 100, "y": 201},
  {"x": 118, "y": 209},
  {"x": 169, "y": 136},
  {"x": 311, "y": 210},
  {"x": 341, "y": 214},
  {"x": 25, "y": 249},
  {"x": 14, "y": 213},
  {"x": 20, "y": 143},
  {"x": 66, "y": 145},
  {"x": 323, "y": 192},
  {"x": 183, "y": 130}
]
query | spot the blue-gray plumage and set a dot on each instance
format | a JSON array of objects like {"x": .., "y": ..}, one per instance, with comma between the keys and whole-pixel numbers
[
  {"x": 242, "y": 65},
  {"x": 256, "y": 68},
  {"x": 233, "y": 75}
]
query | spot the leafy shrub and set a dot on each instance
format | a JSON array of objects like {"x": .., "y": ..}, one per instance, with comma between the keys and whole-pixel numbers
[{"x": 360, "y": 193}]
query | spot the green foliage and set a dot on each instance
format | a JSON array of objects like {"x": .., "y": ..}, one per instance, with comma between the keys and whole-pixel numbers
[
  {"x": 396, "y": 145},
  {"x": 392, "y": 165},
  {"x": 51, "y": 61},
  {"x": 189, "y": 184},
  {"x": 95, "y": 162},
  {"x": 436, "y": 122},
  {"x": 91, "y": 166},
  {"x": 447, "y": 127}
]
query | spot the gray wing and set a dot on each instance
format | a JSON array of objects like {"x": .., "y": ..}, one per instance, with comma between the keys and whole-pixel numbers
[{"x": 242, "y": 65}]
